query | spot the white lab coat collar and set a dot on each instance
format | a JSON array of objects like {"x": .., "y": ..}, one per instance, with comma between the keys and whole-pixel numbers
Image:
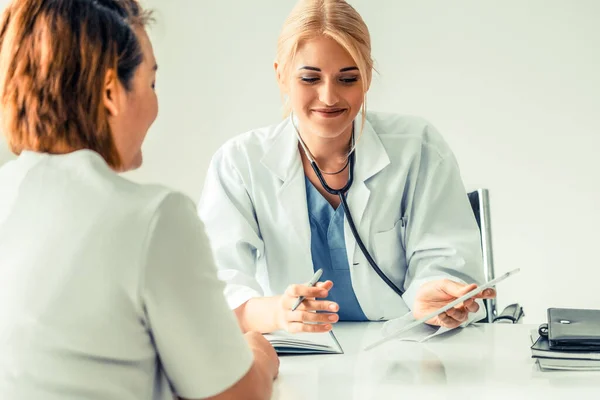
[
  {"x": 283, "y": 158},
  {"x": 371, "y": 156}
]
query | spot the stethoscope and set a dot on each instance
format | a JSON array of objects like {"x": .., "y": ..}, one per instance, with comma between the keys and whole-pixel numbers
[{"x": 341, "y": 194}]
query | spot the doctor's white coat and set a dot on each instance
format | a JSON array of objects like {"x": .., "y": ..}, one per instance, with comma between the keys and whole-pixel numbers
[{"x": 408, "y": 202}]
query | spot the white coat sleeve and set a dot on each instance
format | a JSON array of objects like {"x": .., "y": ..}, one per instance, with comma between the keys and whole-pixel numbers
[
  {"x": 442, "y": 237},
  {"x": 228, "y": 214}
]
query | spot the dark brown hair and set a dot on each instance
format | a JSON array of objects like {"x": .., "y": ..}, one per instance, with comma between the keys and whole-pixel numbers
[{"x": 54, "y": 57}]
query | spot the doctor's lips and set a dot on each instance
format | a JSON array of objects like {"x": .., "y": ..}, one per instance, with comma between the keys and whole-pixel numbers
[{"x": 329, "y": 112}]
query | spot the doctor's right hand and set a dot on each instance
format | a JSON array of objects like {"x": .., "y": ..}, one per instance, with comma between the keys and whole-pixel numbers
[{"x": 304, "y": 318}]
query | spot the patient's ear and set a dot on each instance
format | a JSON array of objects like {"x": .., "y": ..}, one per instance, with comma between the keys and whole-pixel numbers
[{"x": 111, "y": 94}]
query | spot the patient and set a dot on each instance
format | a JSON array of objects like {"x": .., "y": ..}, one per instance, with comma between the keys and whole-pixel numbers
[{"x": 108, "y": 287}]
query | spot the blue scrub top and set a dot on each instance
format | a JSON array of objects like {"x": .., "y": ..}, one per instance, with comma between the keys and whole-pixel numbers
[{"x": 328, "y": 250}]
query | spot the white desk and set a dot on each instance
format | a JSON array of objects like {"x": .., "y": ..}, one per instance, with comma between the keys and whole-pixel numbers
[{"x": 483, "y": 361}]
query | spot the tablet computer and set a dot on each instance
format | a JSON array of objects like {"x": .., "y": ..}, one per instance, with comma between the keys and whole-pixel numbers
[{"x": 448, "y": 306}]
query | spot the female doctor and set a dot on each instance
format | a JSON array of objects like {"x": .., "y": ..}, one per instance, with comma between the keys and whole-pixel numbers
[{"x": 374, "y": 200}]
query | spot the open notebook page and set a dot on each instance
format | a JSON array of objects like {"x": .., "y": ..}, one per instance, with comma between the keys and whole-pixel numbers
[{"x": 304, "y": 343}]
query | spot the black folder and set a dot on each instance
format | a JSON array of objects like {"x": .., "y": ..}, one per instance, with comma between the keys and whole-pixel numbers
[{"x": 572, "y": 329}]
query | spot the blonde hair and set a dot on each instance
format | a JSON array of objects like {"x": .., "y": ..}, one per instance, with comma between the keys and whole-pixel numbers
[{"x": 335, "y": 19}]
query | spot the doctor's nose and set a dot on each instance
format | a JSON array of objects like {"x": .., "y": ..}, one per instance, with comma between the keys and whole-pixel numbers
[{"x": 328, "y": 94}]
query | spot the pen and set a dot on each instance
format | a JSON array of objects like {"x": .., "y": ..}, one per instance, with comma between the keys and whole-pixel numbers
[{"x": 313, "y": 281}]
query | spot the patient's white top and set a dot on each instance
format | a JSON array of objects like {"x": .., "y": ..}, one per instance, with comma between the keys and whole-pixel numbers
[{"x": 107, "y": 288}]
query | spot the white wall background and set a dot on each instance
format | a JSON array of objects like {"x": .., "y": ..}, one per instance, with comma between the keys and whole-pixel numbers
[{"x": 513, "y": 86}]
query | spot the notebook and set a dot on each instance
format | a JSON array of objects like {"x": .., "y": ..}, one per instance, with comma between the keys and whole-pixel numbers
[
  {"x": 567, "y": 364},
  {"x": 304, "y": 343},
  {"x": 541, "y": 348},
  {"x": 547, "y": 359}
]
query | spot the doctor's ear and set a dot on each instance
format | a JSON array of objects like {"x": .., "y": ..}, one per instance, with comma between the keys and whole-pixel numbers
[{"x": 281, "y": 81}]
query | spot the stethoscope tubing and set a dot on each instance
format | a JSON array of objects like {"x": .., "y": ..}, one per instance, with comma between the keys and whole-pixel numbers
[{"x": 341, "y": 194}]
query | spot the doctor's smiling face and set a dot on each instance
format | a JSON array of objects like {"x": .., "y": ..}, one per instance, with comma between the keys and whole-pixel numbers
[{"x": 324, "y": 86}]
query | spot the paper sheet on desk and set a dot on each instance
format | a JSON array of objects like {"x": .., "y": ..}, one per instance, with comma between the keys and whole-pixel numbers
[{"x": 419, "y": 333}]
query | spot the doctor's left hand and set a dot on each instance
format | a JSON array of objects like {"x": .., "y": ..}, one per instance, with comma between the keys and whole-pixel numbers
[{"x": 436, "y": 294}]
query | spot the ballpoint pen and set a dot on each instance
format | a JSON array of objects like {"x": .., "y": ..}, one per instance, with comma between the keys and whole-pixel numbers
[{"x": 313, "y": 281}]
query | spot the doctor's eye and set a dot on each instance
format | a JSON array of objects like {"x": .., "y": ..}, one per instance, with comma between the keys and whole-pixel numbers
[
  {"x": 309, "y": 80},
  {"x": 349, "y": 79}
]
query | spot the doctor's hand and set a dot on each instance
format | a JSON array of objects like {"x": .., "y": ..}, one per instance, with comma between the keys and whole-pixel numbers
[
  {"x": 436, "y": 294},
  {"x": 304, "y": 318}
]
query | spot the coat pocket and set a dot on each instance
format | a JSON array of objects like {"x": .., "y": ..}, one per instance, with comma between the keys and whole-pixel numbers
[{"x": 390, "y": 252}]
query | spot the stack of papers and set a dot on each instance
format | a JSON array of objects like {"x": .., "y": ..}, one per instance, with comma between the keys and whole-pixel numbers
[
  {"x": 304, "y": 343},
  {"x": 549, "y": 359}
]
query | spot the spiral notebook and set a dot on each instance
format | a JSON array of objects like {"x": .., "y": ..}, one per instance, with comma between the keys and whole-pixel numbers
[{"x": 304, "y": 343}]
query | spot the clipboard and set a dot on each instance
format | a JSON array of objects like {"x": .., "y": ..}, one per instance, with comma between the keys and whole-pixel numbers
[{"x": 448, "y": 306}]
